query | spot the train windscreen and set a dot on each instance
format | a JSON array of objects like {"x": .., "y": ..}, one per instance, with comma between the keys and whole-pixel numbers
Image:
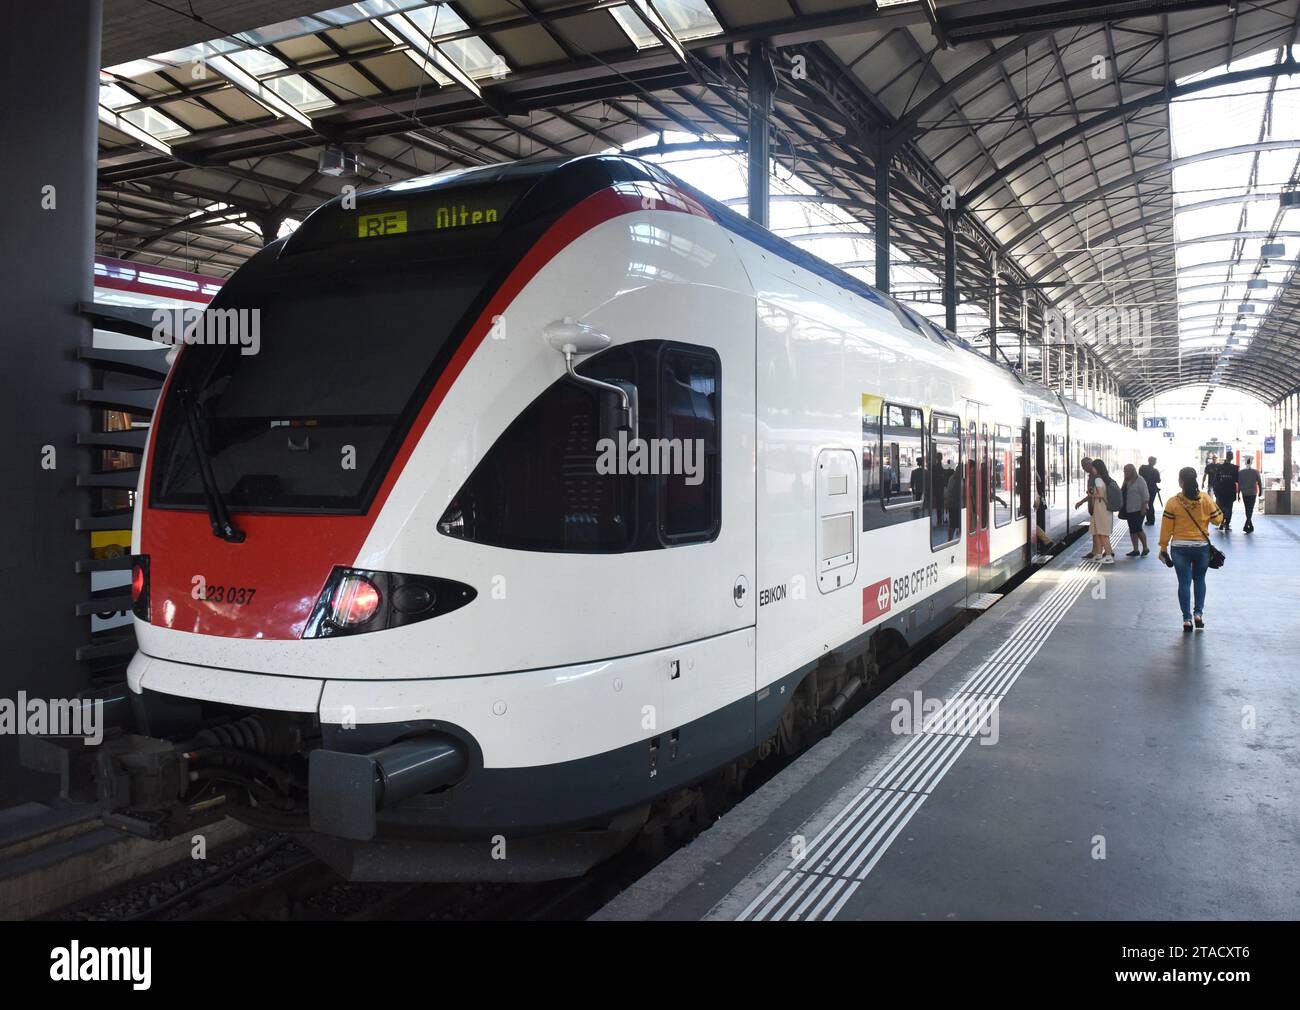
[{"x": 303, "y": 414}]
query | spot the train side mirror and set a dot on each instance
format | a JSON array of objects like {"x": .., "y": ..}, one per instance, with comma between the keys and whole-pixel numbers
[{"x": 571, "y": 338}]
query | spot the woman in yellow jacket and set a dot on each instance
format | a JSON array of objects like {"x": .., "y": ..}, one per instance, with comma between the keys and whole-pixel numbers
[{"x": 1185, "y": 543}]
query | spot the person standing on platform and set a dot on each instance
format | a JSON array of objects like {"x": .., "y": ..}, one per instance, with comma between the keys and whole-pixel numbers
[
  {"x": 1211, "y": 473},
  {"x": 1250, "y": 485},
  {"x": 1151, "y": 475},
  {"x": 1225, "y": 490},
  {"x": 1137, "y": 502},
  {"x": 1102, "y": 517},
  {"x": 1185, "y": 544},
  {"x": 1085, "y": 464}
]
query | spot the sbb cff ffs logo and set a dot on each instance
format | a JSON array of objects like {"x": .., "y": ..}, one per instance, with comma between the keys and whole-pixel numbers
[{"x": 876, "y": 600}]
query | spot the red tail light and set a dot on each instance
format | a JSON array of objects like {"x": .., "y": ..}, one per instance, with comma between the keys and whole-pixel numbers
[
  {"x": 140, "y": 587},
  {"x": 355, "y": 601}
]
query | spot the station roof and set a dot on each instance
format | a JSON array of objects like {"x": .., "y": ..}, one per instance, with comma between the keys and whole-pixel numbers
[{"x": 1052, "y": 123}]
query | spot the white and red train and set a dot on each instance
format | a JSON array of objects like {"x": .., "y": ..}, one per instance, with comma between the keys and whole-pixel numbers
[{"x": 386, "y": 593}]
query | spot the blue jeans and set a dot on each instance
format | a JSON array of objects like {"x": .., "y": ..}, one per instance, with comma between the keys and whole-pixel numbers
[{"x": 1191, "y": 564}]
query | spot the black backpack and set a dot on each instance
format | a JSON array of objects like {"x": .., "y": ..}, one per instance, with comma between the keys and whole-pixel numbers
[{"x": 1114, "y": 497}]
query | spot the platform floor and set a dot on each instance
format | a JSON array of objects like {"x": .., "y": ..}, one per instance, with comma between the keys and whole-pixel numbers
[{"x": 1138, "y": 772}]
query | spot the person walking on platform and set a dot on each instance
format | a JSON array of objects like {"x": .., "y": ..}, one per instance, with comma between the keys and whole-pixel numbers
[
  {"x": 1185, "y": 544},
  {"x": 1225, "y": 490},
  {"x": 1151, "y": 475},
  {"x": 1102, "y": 513},
  {"x": 1211, "y": 473},
  {"x": 1250, "y": 485},
  {"x": 1137, "y": 502}
]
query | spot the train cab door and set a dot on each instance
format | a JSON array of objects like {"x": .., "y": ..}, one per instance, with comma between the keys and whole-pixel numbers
[{"x": 978, "y": 493}]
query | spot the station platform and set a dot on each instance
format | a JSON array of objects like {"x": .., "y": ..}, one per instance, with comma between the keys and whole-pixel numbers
[{"x": 1090, "y": 761}]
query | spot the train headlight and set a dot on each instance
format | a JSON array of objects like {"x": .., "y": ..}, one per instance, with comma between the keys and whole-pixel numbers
[
  {"x": 355, "y": 601},
  {"x": 414, "y": 598}
]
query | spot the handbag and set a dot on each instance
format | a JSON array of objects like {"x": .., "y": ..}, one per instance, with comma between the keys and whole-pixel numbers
[{"x": 1217, "y": 557}]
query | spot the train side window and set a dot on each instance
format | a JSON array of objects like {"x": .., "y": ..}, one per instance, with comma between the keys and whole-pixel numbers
[
  {"x": 902, "y": 456},
  {"x": 1058, "y": 464},
  {"x": 545, "y": 485},
  {"x": 1003, "y": 475},
  {"x": 1077, "y": 475},
  {"x": 1020, "y": 461},
  {"x": 690, "y": 503},
  {"x": 946, "y": 500},
  {"x": 871, "y": 514},
  {"x": 986, "y": 483}
]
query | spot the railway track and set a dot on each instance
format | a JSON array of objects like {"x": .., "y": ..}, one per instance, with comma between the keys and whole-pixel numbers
[{"x": 277, "y": 878}]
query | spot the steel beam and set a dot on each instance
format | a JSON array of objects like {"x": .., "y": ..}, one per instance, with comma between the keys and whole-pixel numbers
[{"x": 762, "y": 82}]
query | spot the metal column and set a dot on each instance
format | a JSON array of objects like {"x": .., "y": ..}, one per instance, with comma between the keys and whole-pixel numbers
[
  {"x": 1023, "y": 358},
  {"x": 1046, "y": 357},
  {"x": 46, "y": 268},
  {"x": 993, "y": 306},
  {"x": 950, "y": 271},
  {"x": 762, "y": 83},
  {"x": 883, "y": 198}
]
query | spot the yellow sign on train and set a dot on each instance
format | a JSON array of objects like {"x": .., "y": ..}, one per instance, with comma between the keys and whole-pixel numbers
[{"x": 390, "y": 222}]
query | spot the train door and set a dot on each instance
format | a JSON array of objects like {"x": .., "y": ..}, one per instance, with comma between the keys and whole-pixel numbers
[
  {"x": 1037, "y": 492},
  {"x": 978, "y": 492}
]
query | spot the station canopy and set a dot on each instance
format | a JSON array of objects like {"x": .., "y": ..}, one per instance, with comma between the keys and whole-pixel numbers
[{"x": 1123, "y": 168}]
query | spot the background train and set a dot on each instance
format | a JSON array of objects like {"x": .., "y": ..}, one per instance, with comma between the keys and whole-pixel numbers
[{"x": 385, "y": 594}]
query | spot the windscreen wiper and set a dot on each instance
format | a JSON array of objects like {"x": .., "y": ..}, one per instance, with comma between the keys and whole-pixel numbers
[{"x": 222, "y": 525}]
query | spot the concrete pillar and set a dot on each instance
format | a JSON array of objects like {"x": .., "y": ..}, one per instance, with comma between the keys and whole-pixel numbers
[{"x": 49, "y": 77}]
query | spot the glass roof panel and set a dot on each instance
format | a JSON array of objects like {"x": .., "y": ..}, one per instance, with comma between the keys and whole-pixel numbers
[
  {"x": 293, "y": 88},
  {"x": 1215, "y": 278},
  {"x": 153, "y": 122},
  {"x": 686, "y": 19}
]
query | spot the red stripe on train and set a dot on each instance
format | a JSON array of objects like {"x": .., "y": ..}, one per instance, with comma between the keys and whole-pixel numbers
[{"x": 287, "y": 558}]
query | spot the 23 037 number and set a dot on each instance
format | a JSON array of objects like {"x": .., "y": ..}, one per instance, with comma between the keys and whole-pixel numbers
[{"x": 240, "y": 596}]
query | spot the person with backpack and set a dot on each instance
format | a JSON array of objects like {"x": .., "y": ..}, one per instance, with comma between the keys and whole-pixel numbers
[
  {"x": 1106, "y": 500},
  {"x": 1250, "y": 485},
  {"x": 1137, "y": 501},
  {"x": 1185, "y": 544}
]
